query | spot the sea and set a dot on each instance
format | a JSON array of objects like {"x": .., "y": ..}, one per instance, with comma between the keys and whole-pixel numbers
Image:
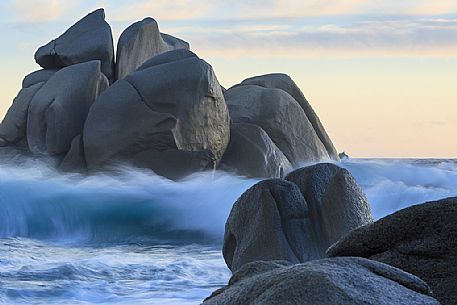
[{"x": 128, "y": 236}]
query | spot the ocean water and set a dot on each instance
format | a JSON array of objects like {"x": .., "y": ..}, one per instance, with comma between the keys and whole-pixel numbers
[{"x": 130, "y": 237}]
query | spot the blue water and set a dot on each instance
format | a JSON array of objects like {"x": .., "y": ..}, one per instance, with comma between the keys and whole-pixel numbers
[{"x": 130, "y": 237}]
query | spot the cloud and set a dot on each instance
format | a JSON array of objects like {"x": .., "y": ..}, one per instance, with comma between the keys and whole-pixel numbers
[
  {"x": 40, "y": 10},
  {"x": 396, "y": 37}
]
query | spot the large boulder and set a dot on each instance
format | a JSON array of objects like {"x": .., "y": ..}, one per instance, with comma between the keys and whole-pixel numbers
[
  {"x": 14, "y": 124},
  {"x": 342, "y": 281},
  {"x": 296, "y": 219},
  {"x": 421, "y": 239},
  {"x": 59, "y": 108},
  {"x": 282, "y": 118},
  {"x": 88, "y": 39},
  {"x": 40, "y": 76},
  {"x": 336, "y": 203},
  {"x": 270, "y": 221},
  {"x": 252, "y": 153},
  {"x": 141, "y": 41},
  {"x": 284, "y": 82},
  {"x": 169, "y": 115}
]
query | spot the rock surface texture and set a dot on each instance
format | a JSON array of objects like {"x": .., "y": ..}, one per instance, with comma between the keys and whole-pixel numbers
[
  {"x": 294, "y": 220},
  {"x": 58, "y": 110},
  {"x": 252, "y": 153},
  {"x": 88, "y": 39},
  {"x": 162, "y": 108},
  {"x": 281, "y": 117},
  {"x": 141, "y": 41},
  {"x": 284, "y": 82},
  {"x": 268, "y": 222},
  {"x": 336, "y": 203},
  {"x": 421, "y": 239},
  {"x": 342, "y": 281},
  {"x": 171, "y": 112}
]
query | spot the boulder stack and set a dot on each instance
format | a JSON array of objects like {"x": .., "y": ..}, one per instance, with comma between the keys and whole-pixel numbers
[{"x": 157, "y": 105}]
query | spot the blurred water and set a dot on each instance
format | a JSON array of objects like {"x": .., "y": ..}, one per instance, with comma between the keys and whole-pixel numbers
[{"x": 130, "y": 237}]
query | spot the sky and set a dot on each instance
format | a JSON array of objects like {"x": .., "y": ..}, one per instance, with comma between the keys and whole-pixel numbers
[{"x": 381, "y": 75}]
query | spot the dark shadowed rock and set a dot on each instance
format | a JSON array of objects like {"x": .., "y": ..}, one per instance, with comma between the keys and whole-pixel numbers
[
  {"x": 75, "y": 160},
  {"x": 342, "y": 281},
  {"x": 141, "y": 41},
  {"x": 269, "y": 221},
  {"x": 252, "y": 153},
  {"x": 421, "y": 239},
  {"x": 284, "y": 82},
  {"x": 40, "y": 76},
  {"x": 335, "y": 201},
  {"x": 170, "y": 117},
  {"x": 14, "y": 124},
  {"x": 88, "y": 39},
  {"x": 282, "y": 118},
  {"x": 58, "y": 110}
]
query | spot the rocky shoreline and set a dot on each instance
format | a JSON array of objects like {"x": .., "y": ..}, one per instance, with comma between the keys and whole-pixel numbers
[{"x": 300, "y": 237}]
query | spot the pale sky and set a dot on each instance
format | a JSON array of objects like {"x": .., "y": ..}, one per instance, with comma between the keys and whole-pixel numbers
[{"x": 381, "y": 75}]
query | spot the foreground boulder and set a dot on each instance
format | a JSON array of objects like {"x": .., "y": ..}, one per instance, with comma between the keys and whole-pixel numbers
[
  {"x": 252, "y": 153},
  {"x": 141, "y": 41},
  {"x": 58, "y": 110},
  {"x": 342, "y": 281},
  {"x": 88, "y": 39},
  {"x": 295, "y": 220},
  {"x": 284, "y": 82},
  {"x": 170, "y": 116},
  {"x": 421, "y": 239},
  {"x": 282, "y": 118},
  {"x": 336, "y": 203},
  {"x": 269, "y": 221}
]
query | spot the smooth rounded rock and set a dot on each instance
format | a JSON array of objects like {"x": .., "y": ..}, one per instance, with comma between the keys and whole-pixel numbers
[
  {"x": 282, "y": 118},
  {"x": 88, "y": 39},
  {"x": 420, "y": 239},
  {"x": 141, "y": 41},
  {"x": 342, "y": 281},
  {"x": 58, "y": 110},
  {"x": 285, "y": 82},
  {"x": 252, "y": 153}
]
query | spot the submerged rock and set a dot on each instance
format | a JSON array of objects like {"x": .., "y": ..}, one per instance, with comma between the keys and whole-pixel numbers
[
  {"x": 270, "y": 221},
  {"x": 88, "y": 39},
  {"x": 252, "y": 153},
  {"x": 169, "y": 114},
  {"x": 336, "y": 203},
  {"x": 141, "y": 41},
  {"x": 342, "y": 281},
  {"x": 282, "y": 118},
  {"x": 421, "y": 239}
]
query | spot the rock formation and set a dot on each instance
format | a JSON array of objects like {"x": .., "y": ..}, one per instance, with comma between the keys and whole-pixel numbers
[
  {"x": 141, "y": 41},
  {"x": 282, "y": 118},
  {"x": 252, "y": 153},
  {"x": 169, "y": 114},
  {"x": 294, "y": 220},
  {"x": 421, "y": 239},
  {"x": 342, "y": 281},
  {"x": 160, "y": 107},
  {"x": 336, "y": 203},
  {"x": 88, "y": 39}
]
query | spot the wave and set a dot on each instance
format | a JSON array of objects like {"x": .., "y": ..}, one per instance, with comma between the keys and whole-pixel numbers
[
  {"x": 394, "y": 184},
  {"x": 130, "y": 205}
]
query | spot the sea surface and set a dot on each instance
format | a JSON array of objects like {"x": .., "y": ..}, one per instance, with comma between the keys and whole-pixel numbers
[{"x": 131, "y": 237}]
